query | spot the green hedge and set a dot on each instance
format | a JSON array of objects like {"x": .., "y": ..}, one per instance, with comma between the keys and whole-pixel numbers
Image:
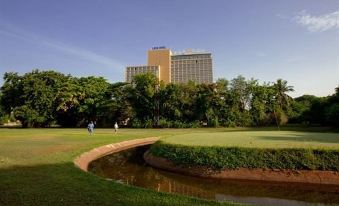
[{"x": 235, "y": 157}]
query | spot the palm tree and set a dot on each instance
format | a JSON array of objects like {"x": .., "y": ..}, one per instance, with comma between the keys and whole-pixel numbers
[
  {"x": 280, "y": 89},
  {"x": 282, "y": 100}
]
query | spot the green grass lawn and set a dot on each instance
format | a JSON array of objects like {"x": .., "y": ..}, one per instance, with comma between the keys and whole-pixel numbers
[
  {"x": 259, "y": 139},
  {"x": 36, "y": 165},
  {"x": 36, "y": 168},
  {"x": 295, "y": 150}
]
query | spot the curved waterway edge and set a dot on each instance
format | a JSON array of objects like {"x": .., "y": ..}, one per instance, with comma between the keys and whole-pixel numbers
[
  {"x": 84, "y": 159},
  {"x": 297, "y": 176},
  {"x": 272, "y": 175},
  {"x": 124, "y": 162},
  {"x": 129, "y": 167}
]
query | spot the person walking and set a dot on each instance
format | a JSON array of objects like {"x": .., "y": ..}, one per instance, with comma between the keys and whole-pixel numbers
[
  {"x": 90, "y": 128},
  {"x": 116, "y": 127}
]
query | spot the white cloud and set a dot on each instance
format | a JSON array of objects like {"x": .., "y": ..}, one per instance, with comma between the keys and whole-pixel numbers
[
  {"x": 260, "y": 54},
  {"x": 84, "y": 54},
  {"x": 292, "y": 59},
  {"x": 282, "y": 16},
  {"x": 14, "y": 32},
  {"x": 318, "y": 23}
]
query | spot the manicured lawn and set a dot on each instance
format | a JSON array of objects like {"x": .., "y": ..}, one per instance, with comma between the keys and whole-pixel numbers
[
  {"x": 295, "y": 150},
  {"x": 36, "y": 165},
  {"x": 259, "y": 139},
  {"x": 36, "y": 168}
]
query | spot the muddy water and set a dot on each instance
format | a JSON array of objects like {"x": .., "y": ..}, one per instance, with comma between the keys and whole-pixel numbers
[{"x": 129, "y": 167}]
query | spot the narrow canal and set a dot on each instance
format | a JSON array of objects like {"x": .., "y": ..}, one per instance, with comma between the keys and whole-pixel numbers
[{"x": 129, "y": 167}]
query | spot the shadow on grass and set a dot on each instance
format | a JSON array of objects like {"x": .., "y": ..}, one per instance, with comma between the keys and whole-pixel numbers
[
  {"x": 308, "y": 137},
  {"x": 63, "y": 184}
]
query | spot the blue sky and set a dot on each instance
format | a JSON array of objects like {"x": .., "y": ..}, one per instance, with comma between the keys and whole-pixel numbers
[{"x": 296, "y": 40}]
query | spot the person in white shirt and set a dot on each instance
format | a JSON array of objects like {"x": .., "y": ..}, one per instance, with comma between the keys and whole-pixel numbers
[
  {"x": 116, "y": 127},
  {"x": 90, "y": 128}
]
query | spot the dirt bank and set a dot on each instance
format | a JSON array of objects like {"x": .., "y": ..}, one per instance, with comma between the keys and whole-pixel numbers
[
  {"x": 83, "y": 160},
  {"x": 278, "y": 175}
]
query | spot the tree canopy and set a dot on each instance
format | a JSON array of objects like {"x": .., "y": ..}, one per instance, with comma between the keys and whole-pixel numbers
[{"x": 45, "y": 98}]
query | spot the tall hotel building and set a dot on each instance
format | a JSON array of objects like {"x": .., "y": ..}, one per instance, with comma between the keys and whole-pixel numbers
[{"x": 175, "y": 68}]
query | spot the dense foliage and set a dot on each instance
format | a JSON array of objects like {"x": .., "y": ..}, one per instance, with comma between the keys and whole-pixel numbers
[
  {"x": 218, "y": 157},
  {"x": 309, "y": 109},
  {"x": 45, "y": 98},
  {"x": 42, "y": 98}
]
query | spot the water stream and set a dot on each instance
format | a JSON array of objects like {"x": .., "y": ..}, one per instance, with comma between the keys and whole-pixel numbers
[{"x": 129, "y": 167}]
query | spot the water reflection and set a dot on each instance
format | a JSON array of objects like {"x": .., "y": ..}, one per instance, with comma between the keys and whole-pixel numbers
[{"x": 129, "y": 167}]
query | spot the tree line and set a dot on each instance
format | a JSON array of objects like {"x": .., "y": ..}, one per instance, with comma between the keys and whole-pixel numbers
[{"x": 46, "y": 98}]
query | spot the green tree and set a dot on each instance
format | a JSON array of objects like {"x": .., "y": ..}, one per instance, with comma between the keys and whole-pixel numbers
[
  {"x": 68, "y": 101},
  {"x": 331, "y": 110},
  {"x": 282, "y": 101},
  {"x": 3, "y": 116},
  {"x": 116, "y": 108},
  {"x": 169, "y": 97},
  {"x": 188, "y": 102},
  {"x": 32, "y": 96},
  {"x": 239, "y": 102},
  {"x": 261, "y": 104},
  {"x": 312, "y": 110},
  {"x": 81, "y": 99},
  {"x": 280, "y": 89},
  {"x": 142, "y": 97},
  {"x": 11, "y": 92},
  {"x": 220, "y": 98},
  {"x": 301, "y": 109}
]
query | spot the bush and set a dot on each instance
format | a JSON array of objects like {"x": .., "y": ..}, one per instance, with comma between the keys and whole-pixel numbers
[
  {"x": 195, "y": 124},
  {"x": 148, "y": 123},
  {"x": 4, "y": 119},
  {"x": 178, "y": 124},
  {"x": 135, "y": 123},
  {"x": 213, "y": 122},
  {"x": 235, "y": 157},
  {"x": 164, "y": 123}
]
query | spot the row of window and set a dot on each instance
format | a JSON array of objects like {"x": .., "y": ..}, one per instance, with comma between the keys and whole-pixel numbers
[
  {"x": 180, "y": 71},
  {"x": 132, "y": 71},
  {"x": 191, "y": 73},
  {"x": 142, "y": 68},
  {"x": 194, "y": 66},
  {"x": 199, "y": 81},
  {"x": 191, "y": 65},
  {"x": 191, "y": 62},
  {"x": 201, "y": 56},
  {"x": 191, "y": 76},
  {"x": 192, "y": 79}
]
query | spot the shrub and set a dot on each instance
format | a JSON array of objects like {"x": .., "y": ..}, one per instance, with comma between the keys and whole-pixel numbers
[
  {"x": 178, "y": 124},
  {"x": 135, "y": 123},
  {"x": 4, "y": 119},
  {"x": 148, "y": 123},
  {"x": 164, "y": 123},
  {"x": 234, "y": 157},
  {"x": 195, "y": 124}
]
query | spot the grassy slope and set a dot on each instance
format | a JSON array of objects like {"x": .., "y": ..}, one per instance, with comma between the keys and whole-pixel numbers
[
  {"x": 253, "y": 149},
  {"x": 259, "y": 139},
  {"x": 36, "y": 168}
]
